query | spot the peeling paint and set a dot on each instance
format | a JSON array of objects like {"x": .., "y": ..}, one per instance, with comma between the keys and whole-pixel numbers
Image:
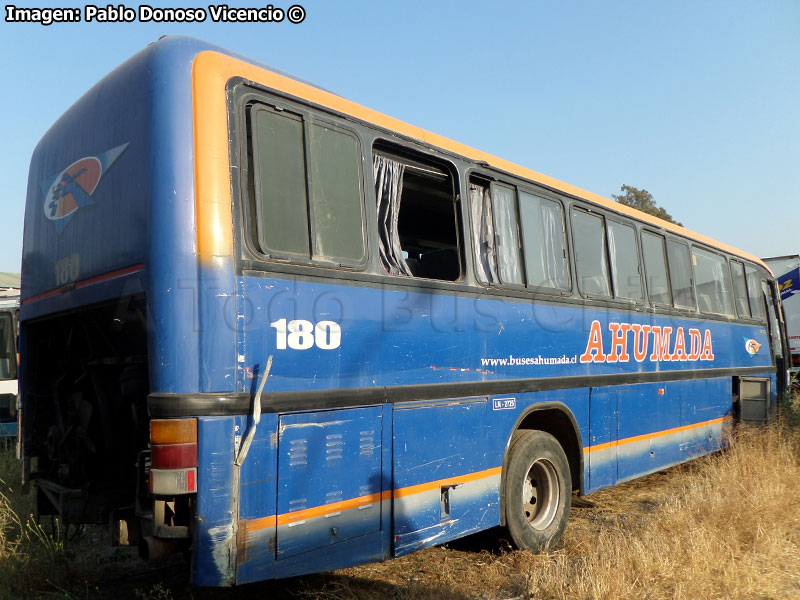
[
  {"x": 223, "y": 539},
  {"x": 303, "y": 425}
]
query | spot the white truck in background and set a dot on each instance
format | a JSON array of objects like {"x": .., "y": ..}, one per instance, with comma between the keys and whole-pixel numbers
[{"x": 787, "y": 272}]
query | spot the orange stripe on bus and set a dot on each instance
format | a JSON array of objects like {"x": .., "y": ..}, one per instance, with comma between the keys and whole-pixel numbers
[
  {"x": 327, "y": 509},
  {"x": 260, "y": 523},
  {"x": 433, "y": 485},
  {"x": 211, "y": 73},
  {"x": 650, "y": 436}
]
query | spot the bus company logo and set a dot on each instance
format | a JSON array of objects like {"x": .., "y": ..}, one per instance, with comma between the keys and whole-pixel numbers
[
  {"x": 647, "y": 342},
  {"x": 752, "y": 347},
  {"x": 73, "y": 187}
]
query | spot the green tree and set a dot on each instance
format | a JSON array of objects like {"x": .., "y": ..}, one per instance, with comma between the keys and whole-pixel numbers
[{"x": 642, "y": 200}]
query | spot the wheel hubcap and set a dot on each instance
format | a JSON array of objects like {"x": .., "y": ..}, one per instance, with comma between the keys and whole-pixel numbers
[{"x": 540, "y": 494}]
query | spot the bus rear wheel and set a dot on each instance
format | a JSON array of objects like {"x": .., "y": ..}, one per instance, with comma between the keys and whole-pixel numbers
[{"x": 538, "y": 491}]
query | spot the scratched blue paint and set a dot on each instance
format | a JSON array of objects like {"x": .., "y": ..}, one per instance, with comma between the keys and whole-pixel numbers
[
  {"x": 434, "y": 441},
  {"x": 387, "y": 448},
  {"x": 214, "y": 553},
  {"x": 258, "y": 492}
]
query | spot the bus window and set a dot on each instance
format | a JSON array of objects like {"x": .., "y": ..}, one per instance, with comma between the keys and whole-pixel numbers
[
  {"x": 754, "y": 292},
  {"x": 483, "y": 237},
  {"x": 323, "y": 223},
  {"x": 591, "y": 256},
  {"x": 775, "y": 330},
  {"x": 280, "y": 186},
  {"x": 336, "y": 192},
  {"x": 740, "y": 289},
  {"x": 655, "y": 267},
  {"x": 507, "y": 234},
  {"x": 544, "y": 242},
  {"x": 417, "y": 219},
  {"x": 680, "y": 274},
  {"x": 624, "y": 261},
  {"x": 713, "y": 283},
  {"x": 496, "y": 234}
]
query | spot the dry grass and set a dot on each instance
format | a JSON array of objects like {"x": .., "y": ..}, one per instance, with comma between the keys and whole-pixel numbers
[{"x": 724, "y": 526}]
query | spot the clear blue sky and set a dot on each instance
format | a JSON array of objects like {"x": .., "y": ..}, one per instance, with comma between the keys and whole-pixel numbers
[{"x": 698, "y": 102}]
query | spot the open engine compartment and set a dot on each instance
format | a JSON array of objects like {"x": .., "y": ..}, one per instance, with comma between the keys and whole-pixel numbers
[{"x": 85, "y": 420}]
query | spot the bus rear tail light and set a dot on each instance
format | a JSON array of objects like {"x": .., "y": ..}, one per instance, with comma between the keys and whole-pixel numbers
[
  {"x": 173, "y": 431},
  {"x": 796, "y": 360},
  {"x": 173, "y": 456},
  {"x": 169, "y": 482}
]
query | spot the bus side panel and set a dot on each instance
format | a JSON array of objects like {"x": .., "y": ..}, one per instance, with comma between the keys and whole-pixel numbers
[
  {"x": 706, "y": 412},
  {"x": 331, "y": 490},
  {"x": 392, "y": 337},
  {"x": 214, "y": 552},
  {"x": 601, "y": 449},
  {"x": 258, "y": 492},
  {"x": 329, "y": 478},
  {"x": 444, "y": 486},
  {"x": 649, "y": 428},
  {"x": 332, "y": 463}
]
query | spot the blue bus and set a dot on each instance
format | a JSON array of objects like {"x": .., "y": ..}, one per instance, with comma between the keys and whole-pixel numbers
[{"x": 291, "y": 334}]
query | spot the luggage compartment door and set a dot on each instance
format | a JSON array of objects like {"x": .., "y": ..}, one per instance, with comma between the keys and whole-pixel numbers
[{"x": 329, "y": 478}]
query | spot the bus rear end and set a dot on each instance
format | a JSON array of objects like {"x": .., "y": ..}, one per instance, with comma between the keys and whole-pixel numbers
[{"x": 108, "y": 178}]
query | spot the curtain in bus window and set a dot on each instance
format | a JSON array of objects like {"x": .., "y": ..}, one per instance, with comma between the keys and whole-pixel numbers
[
  {"x": 388, "y": 175},
  {"x": 505, "y": 221},
  {"x": 624, "y": 261},
  {"x": 543, "y": 241},
  {"x": 483, "y": 233}
]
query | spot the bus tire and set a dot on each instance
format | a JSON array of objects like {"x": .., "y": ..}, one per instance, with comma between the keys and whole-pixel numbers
[{"x": 538, "y": 491}]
